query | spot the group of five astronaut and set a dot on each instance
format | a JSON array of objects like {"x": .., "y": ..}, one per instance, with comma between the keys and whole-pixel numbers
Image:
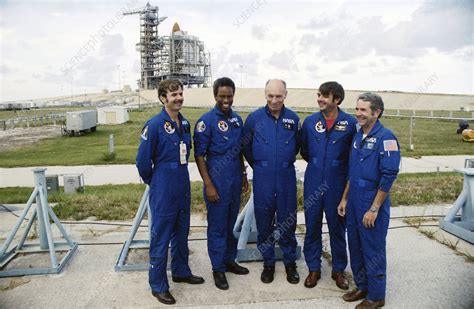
[{"x": 351, "y": 167}]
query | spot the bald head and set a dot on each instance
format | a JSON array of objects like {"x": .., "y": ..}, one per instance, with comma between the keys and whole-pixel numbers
[
  {"x": 275, "y": 93},
  {"x": 280, "y": 82}
]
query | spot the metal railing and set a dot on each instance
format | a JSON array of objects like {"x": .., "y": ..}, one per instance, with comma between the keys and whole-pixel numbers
[{"x": 34, "y": 120}]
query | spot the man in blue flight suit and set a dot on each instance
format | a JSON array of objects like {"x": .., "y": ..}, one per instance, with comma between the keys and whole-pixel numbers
[
  {"x": 326, "y": 138},
  {"x": 271, "y": 142},
  {"x": 217, "y": 143},
  {"x": 162, "y": 162},
  {"x": 373, "y": 167}
]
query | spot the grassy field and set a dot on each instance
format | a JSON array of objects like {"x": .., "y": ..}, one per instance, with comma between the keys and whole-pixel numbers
[
  {"x": 430, "y": 137},
  {"x": 120, "y": 202}
]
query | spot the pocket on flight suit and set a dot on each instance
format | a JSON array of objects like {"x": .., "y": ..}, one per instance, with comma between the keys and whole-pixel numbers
[
  {"x": 166, "y": 188},
  {"x": 288, "y": 146},
  {"x": 261, "y": 149},
  {"x": 370, "y": 164},
  {"x": 368, "y": 196}
]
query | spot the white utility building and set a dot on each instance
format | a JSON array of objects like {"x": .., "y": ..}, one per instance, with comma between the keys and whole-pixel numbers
[{"x": 112, "y": 115}]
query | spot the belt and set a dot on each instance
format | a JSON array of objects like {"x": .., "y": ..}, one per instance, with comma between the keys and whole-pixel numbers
[
  {"x": 224, "y": 156},
  {"x": 363, "y": 183},
  {"x": 314, "y": 160},
  {"x": 170, "y": 165},
  {"x": 267, "y": 164}
]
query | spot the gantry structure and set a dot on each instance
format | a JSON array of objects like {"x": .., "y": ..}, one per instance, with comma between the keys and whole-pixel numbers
[{"x": 176, "y": 56}]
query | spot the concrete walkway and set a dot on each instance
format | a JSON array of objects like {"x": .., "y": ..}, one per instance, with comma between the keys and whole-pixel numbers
[
  {"x": 422, "y": 273},
  {"x": 123, "y": 174}
]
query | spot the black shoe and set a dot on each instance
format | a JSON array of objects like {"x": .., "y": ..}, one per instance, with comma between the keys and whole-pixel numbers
[
  {"x": 220, "y": 280},
  {"x": 236, "y": 269},
  {"x": 191, "y": 279},
  {"x": 267, "y": 274},
  {"x": 164, "y": 297},
  {"x": 292, "y": 274}
]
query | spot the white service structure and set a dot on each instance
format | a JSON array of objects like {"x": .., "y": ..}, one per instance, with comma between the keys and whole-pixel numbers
[{"x": 112, "y": 115}]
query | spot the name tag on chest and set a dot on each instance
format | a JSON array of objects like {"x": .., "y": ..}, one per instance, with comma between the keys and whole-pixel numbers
[
  {"x": 369, "y": 145},
  {"x": 182, "y": 153},
  {"x": 288, "y": 123}
]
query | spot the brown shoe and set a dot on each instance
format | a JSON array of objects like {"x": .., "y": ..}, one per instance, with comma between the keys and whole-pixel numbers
[
  {"x": 354, "y": 295},
  {"x": 370, "y": 304},
  {"x": 312, "y": 279},
  {"x": 341, "y": 280}
]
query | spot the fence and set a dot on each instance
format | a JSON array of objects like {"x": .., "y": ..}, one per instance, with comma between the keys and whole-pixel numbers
[
  {"x": 34, "y": 120},
  {"x": 421, "y": 114}
]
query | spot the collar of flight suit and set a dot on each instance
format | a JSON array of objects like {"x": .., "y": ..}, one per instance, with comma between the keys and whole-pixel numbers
[
  {"x": 340, "y": 116},
  {"x": 283, "y": 109},
  {"x": 217, "y": 111},
  {"x": 168, "y": 118},
  {"x": 376, "y": 128}
]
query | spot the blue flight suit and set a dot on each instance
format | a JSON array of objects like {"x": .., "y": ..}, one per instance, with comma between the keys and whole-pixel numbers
[
  {"x": 373, "y": 165},
  {"x": 270, "y": 147},
  {"x": 327, "y": 154},
  {"x": 159, "y": 165},
  {"x": 218, "y": 139}
]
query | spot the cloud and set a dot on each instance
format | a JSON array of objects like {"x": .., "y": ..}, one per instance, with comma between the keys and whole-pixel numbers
[
  {"x": 259, "y": 32},
  {"x": 96, "y": 72},
  {"x": 313, "y": 72},
  {"x": 22, "y": 44},
  {"x": 226, "y": 63},
  {"x": 438, "y": 25},
  {"x": 308, "y": 40},
  {"x": 283, "y": 60},
  {"x": 4, "y": 69},
  {"x": 320, "y": 22},
  {"x": 219, "y": 57},
  {"x": 442, "y": 26},
  {"x": 55, "y": 78},
  {"x": 465, "y": 54},
  {"x": 112, "y": 45},
  {"x": 349, "y": 69},
  {"x": 99, "y": 70},
  {"x": 136, "y": 68}
]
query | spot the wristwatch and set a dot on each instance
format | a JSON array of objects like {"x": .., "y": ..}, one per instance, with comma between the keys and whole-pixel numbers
[{"x": 373, "y": 209}]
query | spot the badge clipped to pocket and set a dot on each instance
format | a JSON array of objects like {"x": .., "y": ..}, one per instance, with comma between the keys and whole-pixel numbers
[{"x": 182, "y": 153}]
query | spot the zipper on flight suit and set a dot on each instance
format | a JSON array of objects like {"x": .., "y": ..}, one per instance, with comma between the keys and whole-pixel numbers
[{"x": 276, "y": 153}]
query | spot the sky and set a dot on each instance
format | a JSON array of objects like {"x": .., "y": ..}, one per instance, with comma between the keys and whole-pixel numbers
[{"x": 414, "y": 46}]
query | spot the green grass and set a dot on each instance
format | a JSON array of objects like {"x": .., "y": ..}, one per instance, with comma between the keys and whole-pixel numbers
[
  {"x": 120, "y": 202},
  {"x": 426, "y": 113},
  {"x": 89, "y": 148},
  {"x": 426, "y": 188},
  {"x": 430, "y": 137}
]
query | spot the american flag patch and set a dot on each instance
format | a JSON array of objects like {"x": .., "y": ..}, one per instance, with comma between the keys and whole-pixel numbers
[{"x": 390, "y": 145}]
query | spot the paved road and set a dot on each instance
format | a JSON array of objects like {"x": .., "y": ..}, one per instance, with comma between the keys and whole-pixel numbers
[{"x": 123, "y": 174}]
